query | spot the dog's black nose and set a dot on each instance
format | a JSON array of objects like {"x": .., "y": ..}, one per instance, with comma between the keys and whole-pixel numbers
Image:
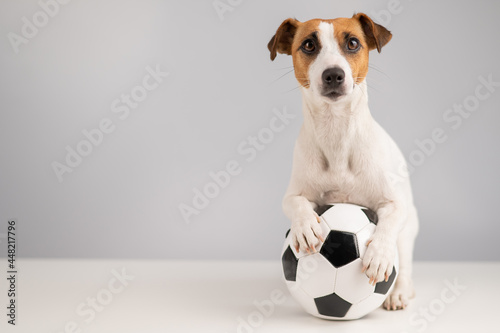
[{"x": 333, "y": 77}]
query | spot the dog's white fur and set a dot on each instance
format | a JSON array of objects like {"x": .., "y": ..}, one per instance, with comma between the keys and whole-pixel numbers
[{"x": 343, "y": 155}]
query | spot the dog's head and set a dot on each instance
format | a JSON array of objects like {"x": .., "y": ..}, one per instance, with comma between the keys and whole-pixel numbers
[{"x": 330, "y": 57}]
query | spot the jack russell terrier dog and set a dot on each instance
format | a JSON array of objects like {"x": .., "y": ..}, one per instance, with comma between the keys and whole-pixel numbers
[{"x": 342, "y": 154}]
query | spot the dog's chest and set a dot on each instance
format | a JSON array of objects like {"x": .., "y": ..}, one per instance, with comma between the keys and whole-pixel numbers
[
  {"x": 343, "y": 176},
  {"x": 339, "y": 160},
  {"x": 338, "y": 177}
]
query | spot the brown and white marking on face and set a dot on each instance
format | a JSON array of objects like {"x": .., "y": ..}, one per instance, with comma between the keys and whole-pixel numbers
[{"x": 330, "y": 57}]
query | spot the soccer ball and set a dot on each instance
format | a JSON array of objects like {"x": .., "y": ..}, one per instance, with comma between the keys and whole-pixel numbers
[{"x": 329, "y": 284}]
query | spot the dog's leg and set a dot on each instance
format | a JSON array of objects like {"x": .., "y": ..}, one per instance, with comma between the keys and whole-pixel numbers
[
  {"x": 381, "y": 252},
  {"x": 403, "y": 289},
  {"x": 305, "y": 230}
]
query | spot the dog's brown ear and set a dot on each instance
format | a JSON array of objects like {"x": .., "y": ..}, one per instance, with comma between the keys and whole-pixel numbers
[
  {"x": 282, "y": 40},
  {"x": 376, "y": 35}
]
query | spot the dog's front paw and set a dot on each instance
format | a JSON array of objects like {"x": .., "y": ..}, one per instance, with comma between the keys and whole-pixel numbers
[
  {"x": 399, "y": 297},
  {"x": 379, "y": 258},
  {"x": 306, "y": 234}
]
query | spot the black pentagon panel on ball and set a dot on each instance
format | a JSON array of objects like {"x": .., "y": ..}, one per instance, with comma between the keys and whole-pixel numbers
[
  {"x": 321, "y": 209},
  {"x": 332, "y": 305},
  {"x": 289, "y": 262},
  {"x": 372, "y": 216},
  {"x": 340, "y": 248},
  {"x": 384, "y": 286}
]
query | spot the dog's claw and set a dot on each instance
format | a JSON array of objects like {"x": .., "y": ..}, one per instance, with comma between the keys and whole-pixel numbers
[{"x": 306, "y": 234}]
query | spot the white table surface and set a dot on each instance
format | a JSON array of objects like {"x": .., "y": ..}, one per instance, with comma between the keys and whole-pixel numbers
[{"x": 216, "y": 296}]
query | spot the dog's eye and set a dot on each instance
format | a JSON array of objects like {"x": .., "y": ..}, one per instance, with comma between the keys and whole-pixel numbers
[
  {"x": 309, "y": 46},
  {"x": 353, "y": 44}
]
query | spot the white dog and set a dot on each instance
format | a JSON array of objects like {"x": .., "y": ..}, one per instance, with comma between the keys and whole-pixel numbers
[{"x": 342, "y": 154}]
